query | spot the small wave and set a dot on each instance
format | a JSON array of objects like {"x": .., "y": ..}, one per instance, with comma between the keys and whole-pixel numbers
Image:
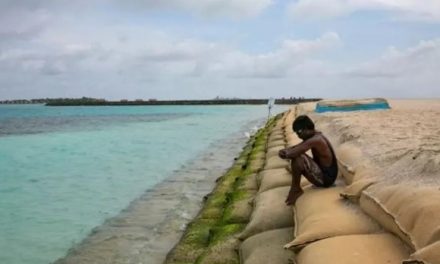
[{"x": 185, "y": 215}]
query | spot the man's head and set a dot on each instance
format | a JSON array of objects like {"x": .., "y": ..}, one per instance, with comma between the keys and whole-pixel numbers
[{"x": 304, "y": 127}]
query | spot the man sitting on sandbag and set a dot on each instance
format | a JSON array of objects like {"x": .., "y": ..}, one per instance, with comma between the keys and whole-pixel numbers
[{"x": 321, "y": 170}]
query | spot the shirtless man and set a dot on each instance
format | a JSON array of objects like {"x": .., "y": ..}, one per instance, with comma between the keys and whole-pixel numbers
[{"x": 321, "y": 170}]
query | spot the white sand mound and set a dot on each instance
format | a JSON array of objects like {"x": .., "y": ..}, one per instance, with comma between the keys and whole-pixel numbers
[{"x": 403, "y": 143}]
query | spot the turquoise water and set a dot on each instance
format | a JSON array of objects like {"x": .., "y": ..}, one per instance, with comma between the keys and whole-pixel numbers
[{"x": 64, "y": 170}]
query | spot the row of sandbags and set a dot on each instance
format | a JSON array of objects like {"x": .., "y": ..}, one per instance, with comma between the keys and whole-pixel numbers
[
  {"x": 406, "y": 209},
  {"x": 271, "y": 222},
  {"x": 211, "y": 237},
  {"x": 328, "y": 228}
]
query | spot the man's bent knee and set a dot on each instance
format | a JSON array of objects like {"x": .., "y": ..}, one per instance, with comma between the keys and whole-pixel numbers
[{"x": 298, "y": 163}]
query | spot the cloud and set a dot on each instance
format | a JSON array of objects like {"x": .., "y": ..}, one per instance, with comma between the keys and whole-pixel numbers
[
  {"x": 427, "y": 10},
  {"x": 47, "y": 61},
  {"x": 169, "y": 57},
  {"x": 206, "y": 8},
  {"x": 423, "y": 59},
  {"x": 135, "y": 57},
  {"x": 115, "y": 52},
  {"x": 21, "y": 24},
  {"x": 168, "y": 50},
  {"x": 279, "y": 63},
  {"x": 158, "y": 54}
]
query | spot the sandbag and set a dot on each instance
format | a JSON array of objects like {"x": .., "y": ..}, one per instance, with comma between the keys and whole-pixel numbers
[
  {"x": 411, "y": 212},
  {"x": 193, "y": 242},
  {"x": 224, "y": 252},
  {"x": 288, "y": 135},
  {"x": 267, "y": 247},
  {"x": 353, "y": 191},
  {"x": 293, "y": 137},
  {"x": 260, "y": 155},
  {"x": 273, "y": 151},
  {"x": 291, "y": 143},
  {"x": 349, "y": 157},
  {"x": 360, "y": 249},
  {"x": 288, "y": 130},
  {"x": 278, "y": 125},
  {"x": 276, "y": 163},
  {"x": 270, "y": 179},
  {"x": 248, "y": 182},
  {"x": 276, "y": 132},
  {"x": 347, "y": 172},
  {"x": 256, "y": 165},
  {"x": 426, "y": 255},
  {"x": 385, "y": 219},
  {"x": 239, "y": 211},
  {"x": 276, "y": 143},
  {"x": 276, "y": 136},
  {"x": 289, "y": 120},
  {"x": 320, "y": 213},
  {"x": 270, "y": 212}
]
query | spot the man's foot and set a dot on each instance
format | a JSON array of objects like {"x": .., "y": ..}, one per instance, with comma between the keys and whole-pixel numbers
[{"x": 293, "y": 196}]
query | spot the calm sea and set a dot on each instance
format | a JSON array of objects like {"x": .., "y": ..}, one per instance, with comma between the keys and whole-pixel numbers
[{"x": 64, "y": 170}]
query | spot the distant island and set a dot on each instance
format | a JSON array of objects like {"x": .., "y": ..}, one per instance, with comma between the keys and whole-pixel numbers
[{"x": 86, "y": 101}]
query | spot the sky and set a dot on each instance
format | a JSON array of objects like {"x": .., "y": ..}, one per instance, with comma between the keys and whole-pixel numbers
[{"x": 201, "y": 49}]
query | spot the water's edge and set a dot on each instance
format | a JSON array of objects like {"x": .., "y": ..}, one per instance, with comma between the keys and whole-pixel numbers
[{"x": 151, "y": 225}]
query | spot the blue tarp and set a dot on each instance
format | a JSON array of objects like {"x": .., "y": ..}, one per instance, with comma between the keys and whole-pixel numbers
[{"x": 355, "y": 107}]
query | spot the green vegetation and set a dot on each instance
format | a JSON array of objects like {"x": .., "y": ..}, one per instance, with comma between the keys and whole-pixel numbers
[
  {"x": 212, "y": 235},
  {"x": 234, "y": 101}
]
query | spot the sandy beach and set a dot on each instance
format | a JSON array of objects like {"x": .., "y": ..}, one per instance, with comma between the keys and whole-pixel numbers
[
  {"x": 390, "y": 163},
  {"x": 400, "y": 144}
]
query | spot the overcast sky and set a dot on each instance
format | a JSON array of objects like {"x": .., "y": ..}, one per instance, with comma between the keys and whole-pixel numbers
[{"x": 200, "y": 49}]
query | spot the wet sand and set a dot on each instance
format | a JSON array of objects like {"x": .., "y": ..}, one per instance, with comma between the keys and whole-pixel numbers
[{"x": 151, "y": 225}]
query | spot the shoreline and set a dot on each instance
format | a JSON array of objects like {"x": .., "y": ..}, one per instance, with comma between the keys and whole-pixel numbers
[{"x": 149, "y": 227}]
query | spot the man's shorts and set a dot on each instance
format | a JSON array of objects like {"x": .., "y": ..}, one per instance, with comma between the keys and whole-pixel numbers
[{"x": 320, "y": 177}]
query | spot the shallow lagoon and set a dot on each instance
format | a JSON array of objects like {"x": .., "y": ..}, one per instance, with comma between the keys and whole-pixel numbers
[{"x": 67, "y": 169}]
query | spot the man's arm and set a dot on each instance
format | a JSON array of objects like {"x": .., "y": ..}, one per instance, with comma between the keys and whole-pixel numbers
[
  {"x": 295, "y": 151},
  {"x": 283, "y": 152}
]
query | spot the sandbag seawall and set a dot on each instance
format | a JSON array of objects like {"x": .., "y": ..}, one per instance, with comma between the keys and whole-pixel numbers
[
  {"x": 357, "y": 214},
  {"x": 212, "y": 237},
  {"x": 387, "y": 173},
  {"x": 326, "y": 225}
]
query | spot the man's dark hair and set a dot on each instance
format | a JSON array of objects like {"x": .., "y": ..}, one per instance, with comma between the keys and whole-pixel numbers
[{"x": 303, "y": 122}]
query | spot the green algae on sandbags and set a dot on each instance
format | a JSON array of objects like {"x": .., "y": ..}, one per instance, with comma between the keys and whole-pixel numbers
[
  {"x": 193, "y": 242},
  {"x": 239, "y": 208},
  {"x": 213, "y": 236},
  {"x": 224, "y": 252}
]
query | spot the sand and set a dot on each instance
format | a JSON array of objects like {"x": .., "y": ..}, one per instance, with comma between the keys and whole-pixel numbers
[{"x": 400, "y": 144}]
